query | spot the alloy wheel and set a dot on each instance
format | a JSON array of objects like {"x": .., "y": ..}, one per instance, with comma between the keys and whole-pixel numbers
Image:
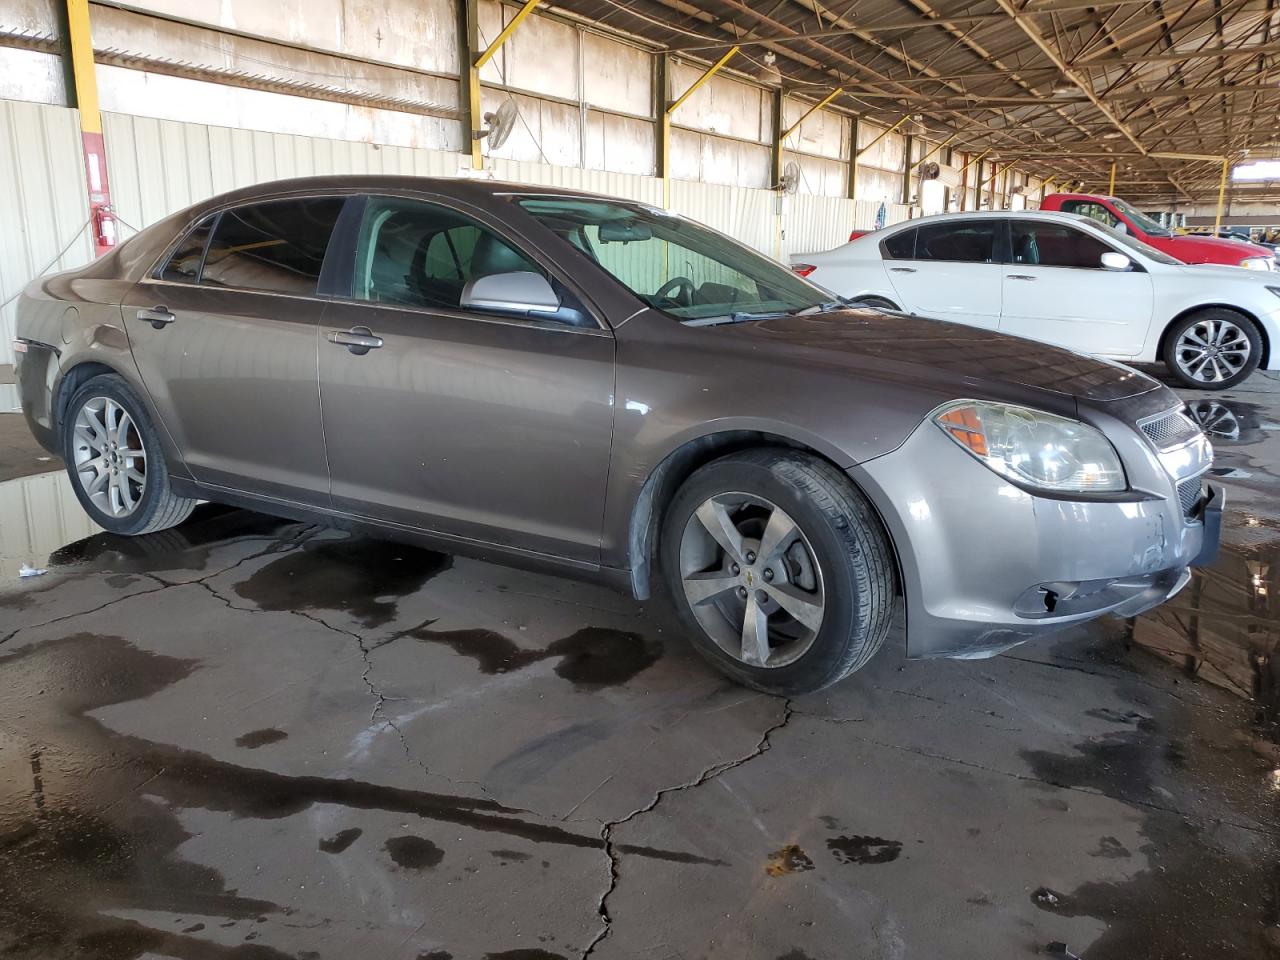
[
  {"x": 110, "y": 460},
  {"x": 1211, "y": 351},
  {"x": 752, "y": 579}
]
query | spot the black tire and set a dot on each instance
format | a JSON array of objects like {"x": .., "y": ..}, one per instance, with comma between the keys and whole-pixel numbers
[
  {"x": 848, "y": 543},
  {"x": 158, "y": 508},
  {"x": 1170, "y": 353},
  {"x": 875, "y": 303}
]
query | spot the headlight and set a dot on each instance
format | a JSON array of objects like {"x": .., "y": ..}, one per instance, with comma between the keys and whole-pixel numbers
[
  {"x": 1259, "y": 263},
  {"x": 1035, "y": 448}
]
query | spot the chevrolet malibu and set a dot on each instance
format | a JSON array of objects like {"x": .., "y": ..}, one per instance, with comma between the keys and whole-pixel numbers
[{"x": 600, "y": 388}]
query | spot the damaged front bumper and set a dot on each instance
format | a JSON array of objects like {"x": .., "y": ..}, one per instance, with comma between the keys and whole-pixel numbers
[{"x": 987, "y": 565}]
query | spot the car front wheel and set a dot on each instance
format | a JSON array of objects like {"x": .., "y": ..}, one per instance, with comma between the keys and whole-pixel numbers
[
  {"x": 115, "y": 460},
  {"x": 780, "y": 570},
  {"x": 1213, "y": 349}
]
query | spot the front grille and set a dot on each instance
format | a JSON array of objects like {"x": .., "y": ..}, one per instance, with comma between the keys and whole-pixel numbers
[
  {"x": 1171, "y": 429},
  {"x": 1189, "y": 495}
]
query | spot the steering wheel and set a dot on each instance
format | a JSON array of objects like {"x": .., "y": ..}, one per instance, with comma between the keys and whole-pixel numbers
[{"x": 679, "y": 290}]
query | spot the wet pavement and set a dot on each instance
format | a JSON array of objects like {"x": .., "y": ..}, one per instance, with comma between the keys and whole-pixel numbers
[{"x": 256, "y": 739}]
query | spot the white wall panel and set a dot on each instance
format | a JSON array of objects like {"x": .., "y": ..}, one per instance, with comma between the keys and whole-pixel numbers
[
  {"x": 825, "y": 133},
  {"x": 540, "y": 57},
  {"x": 721, "y": 105},
  {"x": 619, "y": 76},
  {"x": 31, "y": 75},
  {"x": 44, "y": 206}
]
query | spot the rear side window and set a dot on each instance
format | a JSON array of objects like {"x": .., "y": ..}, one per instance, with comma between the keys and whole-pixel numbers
[
  {"x": 276, "y": 246},
  {"x": 901, "y": 246},
  {"x": 972, "y": 242},
  {"x": 1092, "y": 210},
  {"x": 184, "y": 264},
  {"x": 1055, "y": 245}
]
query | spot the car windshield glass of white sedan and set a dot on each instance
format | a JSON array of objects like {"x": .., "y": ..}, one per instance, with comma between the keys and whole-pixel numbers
[
  {"x": 1148, "y": 251},
  {"x": 675, "y": 265}
]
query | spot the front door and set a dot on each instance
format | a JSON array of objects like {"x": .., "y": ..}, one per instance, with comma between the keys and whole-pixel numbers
[
  {"x": 951, "y": 271},
  {"x": 224, "y": 337},
  {"x": 1057, "y": 290},
  {"x": 475, "y": 424}
]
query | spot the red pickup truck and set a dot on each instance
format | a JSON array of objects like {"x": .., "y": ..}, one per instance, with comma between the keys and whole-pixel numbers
[{"x": 1118, "y": 214}]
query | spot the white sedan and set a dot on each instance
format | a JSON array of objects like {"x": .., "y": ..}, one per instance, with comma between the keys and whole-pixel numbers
[{"x": 1066, "y": 280}]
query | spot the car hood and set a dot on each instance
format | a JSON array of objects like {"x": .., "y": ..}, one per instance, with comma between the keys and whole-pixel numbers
[
  {"x": 1193, "y": 249},
  {"x": 941, "y": 351}
]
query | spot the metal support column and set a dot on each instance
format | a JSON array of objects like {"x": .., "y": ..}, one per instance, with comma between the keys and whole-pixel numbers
[
  {"x": 853, "y": 158},
  {"x": 85, "y": 86},
  {"x": 471, "y": 27},
  {"x": 907, "y": 167},
  {"x": 1222, "y": 193}
]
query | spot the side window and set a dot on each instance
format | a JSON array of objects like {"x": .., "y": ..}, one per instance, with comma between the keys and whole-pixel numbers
[
  {"x": 1055, "y": 245},
  {"x": 1094, "y": 211},
  {"x": 901, "y": 246},
  {"x": 184, "y": 265},
  {"x": 418, "y": 254},
  {"x": 957, "y": 242},
  {"x": 276, "y": 246}
]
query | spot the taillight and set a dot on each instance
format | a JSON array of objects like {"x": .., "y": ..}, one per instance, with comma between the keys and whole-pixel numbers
[{"x": 804, "y": 269}]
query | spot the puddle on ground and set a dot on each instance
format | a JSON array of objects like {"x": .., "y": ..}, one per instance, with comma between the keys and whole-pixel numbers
[{"x": 78, "y": 838}]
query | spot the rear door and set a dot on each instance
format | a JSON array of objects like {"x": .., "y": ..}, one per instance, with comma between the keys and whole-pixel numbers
[
  {"x": 1057, "y": 290},
  {"x": 948, "y": 270},
  {"x": 224, "y": 336},
  {"x": 466, "y": 422}
]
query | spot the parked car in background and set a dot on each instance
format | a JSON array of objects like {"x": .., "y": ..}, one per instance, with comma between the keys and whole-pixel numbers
[
  {"x": 1119, "y": 215},
  {"x": 1068, "y": 280},
  {"x": 599, "y": 388},
  {"x": 1237, "y": 235}
]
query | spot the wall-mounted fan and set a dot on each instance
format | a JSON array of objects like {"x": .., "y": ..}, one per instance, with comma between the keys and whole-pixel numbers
[
  {"x": 789, "y": 182},
  {"x": 930, "y": 171},
  {"x": 498, "y": 124}
]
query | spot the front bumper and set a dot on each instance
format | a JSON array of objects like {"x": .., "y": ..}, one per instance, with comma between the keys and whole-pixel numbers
[{"x": 987, "y": 565}]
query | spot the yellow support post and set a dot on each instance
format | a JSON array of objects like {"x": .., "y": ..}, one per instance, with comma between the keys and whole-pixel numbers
[
  {"x": 904, "y": 119},
  {"x": 506, "y": 33},
  {"x": 934, "y": 150},
  {"x": 85, "y": 82},
  {"x": 1111, "y": 187},
  {"x": 710, "y": 72},
  {"x": 1222, "y": 193}
]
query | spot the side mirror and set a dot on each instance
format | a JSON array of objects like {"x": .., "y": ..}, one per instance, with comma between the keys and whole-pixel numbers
[
  {"x": 1115, "y": 261},
  {"x": 1120, "y": 227},
  {"x": 522, "y": 294}
]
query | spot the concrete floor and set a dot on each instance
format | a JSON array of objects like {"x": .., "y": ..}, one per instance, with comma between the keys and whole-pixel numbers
[{"x": 254, "y": 739}]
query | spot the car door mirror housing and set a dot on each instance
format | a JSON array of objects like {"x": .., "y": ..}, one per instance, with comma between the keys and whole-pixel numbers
[
  {"x": 1111, "y": 260},
  {"x": 1121, "y": 227},
  {"x": 520, "y": 294}
]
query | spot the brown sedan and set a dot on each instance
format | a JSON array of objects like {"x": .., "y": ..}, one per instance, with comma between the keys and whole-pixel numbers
[{"x": 602, "y": 388}]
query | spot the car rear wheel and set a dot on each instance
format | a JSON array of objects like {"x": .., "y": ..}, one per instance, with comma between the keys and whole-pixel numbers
[
  {"x": 779, "y": 568},
  {"x": 116, "y": 462},
  {"x": 1213, "y": 349}
]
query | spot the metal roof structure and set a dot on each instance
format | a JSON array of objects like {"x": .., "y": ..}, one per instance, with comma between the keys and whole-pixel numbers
[{"x": 1165, "y": 89}]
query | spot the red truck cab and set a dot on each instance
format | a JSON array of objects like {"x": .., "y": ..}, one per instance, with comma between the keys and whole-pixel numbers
[{"x": 1118, "y": 214}]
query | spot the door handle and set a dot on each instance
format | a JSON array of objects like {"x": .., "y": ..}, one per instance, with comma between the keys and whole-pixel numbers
[
  {"x": 359, "y": 340},
  {"x": 1018, "y": 276},
  {"x": 158, "y": 317},
  {"x": 902, "y": 269}
]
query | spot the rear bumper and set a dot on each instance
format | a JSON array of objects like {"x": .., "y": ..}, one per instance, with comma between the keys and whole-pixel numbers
[
  {"x": 36, "y": 370},
  {"x": 986, "y": 565}
]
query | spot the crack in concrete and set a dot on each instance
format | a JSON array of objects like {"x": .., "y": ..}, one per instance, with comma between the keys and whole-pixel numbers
[
  {"x": 166, "y": 584},
  {"x": 606, "y": 832}
]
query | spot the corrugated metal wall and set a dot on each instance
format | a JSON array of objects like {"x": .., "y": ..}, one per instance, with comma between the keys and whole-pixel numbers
[
  {"x": 45, "y": 207},
  {"x": 159, "y": 166}
]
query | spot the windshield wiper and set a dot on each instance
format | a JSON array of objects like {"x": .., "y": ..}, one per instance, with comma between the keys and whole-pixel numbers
[{"x": 739, "y": 317}]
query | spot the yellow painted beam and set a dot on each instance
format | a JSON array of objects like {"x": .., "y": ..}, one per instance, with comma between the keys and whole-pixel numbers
[
  {"x": 473, "y": 95},
  {"x": 710, "y": 72},
  {"x": 506, "y": 33},
  {"x": 976, "y": 159},
  {"x": 811, "y": 111},
  {"x": 934, "y": 150},
  {"x": 1111, "y": 187},
  {"x": 82, "y": 67},
  {"x": 904, "y": 119},
  {"x": 1222, "y": 193}
]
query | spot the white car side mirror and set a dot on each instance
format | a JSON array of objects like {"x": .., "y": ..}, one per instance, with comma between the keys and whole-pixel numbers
[
  {"x": 518, "y": 292},
  {"x": 1115, "y": 261},
  {"x": 1120, "y": 228}
]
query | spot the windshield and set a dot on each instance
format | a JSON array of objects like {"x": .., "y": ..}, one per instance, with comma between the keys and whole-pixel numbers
[
  {"x": 1148, "y": 251},
  {"x": 1139, "y": 219},
  {"x": 686, "y": 270}
]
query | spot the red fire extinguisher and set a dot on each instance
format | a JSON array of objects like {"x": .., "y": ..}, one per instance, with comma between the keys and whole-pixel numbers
[{"x": 104, "y": 227}]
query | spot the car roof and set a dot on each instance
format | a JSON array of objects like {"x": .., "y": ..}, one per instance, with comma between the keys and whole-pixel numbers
[{"x": 1057, "y": 215}]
